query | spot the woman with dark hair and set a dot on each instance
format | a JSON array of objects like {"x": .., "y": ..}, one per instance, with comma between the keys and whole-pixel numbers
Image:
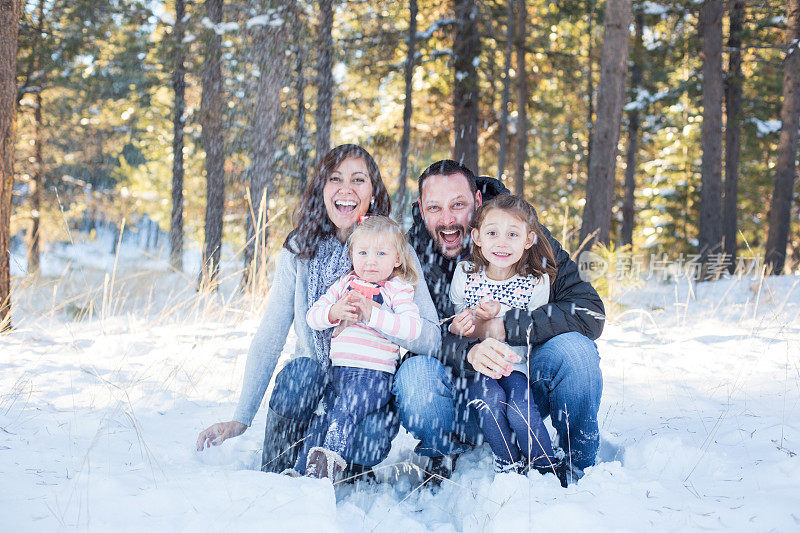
[{"x": 346, "y": 186}]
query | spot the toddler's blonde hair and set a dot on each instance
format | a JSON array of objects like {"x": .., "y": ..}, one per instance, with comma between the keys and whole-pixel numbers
[{"x": 381, "y": 225}]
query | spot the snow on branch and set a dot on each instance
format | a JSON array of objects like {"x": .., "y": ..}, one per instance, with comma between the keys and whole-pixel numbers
[
  {"x": 219, "y": 28},
  {"x": 435, "y": 26}
]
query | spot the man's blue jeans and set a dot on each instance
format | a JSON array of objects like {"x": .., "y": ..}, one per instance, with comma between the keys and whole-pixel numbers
[
  {"x": 296, "y": 394},
  {"x": 567, "y": 385}
]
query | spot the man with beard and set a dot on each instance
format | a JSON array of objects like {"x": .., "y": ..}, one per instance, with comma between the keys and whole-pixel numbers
[{"x": 565, "y": 376}]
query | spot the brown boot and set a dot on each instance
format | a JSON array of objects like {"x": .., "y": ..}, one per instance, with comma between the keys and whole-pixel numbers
[{"x": 323, "y": 463}]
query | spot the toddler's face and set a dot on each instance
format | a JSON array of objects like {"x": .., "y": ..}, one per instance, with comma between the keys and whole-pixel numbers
[{"x": 375, "y": 257}]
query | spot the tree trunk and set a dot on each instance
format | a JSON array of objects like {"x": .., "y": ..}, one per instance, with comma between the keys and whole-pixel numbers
[
  {"x": 628, "y": 209},
  {"x": 9, "y": 30},
  {"x": 324, "y": 79},
  {"x": 780, "y": 207},
  {"x": 36, "y": 189},
  {"x": 602, "y": 168},
  {"x": 501, "y": 156},
  {"x": 590, "y": 84},
  {"x": 214, "y": 145},
  {"x": 300, "y": 134},
  {"x": 405, "y": 142},
  {"x": 179, "y": 86},
  {"x": 466, "y": 48},
  {"x": 269, "y": 41},
  {"x": 710, "y": 237},
  {"x": 733, "y": 111},
  {"x": 522, "y": 100}
]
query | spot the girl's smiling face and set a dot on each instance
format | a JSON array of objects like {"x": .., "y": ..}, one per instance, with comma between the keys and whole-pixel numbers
[
  {"x": 347, "y": 194},
  {"x": 502, "y": 238}
]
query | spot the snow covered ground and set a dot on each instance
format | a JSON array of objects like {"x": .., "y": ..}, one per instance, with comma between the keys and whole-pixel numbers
[{"x": 99, "y": 416}]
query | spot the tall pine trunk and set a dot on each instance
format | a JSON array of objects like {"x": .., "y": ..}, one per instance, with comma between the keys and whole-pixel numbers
[
  {"x": 9, "y": 30},
  {"x": 710, "y": 237},
  {"x": 780, "y": 207},
  {"x": 590, "y": 4},
  {"x": 501, "y": 156},
  {"x": 269, "y": 41},
  {"x": 211, "y": 116},
  {"x": 466, "y": 48},
  {"x": 522, "y": 100},
  {"x": 628, "y": 209},
  {"x": 611, "y": 95},
  {"x": 38, "y": 160},
  {"x": 324, "y": 79},
  {"x": 733, "y": 112},
  {"x": 179, "y": 86},
  {"x": 405, "y": 142},
  {"x": 36, "y": 189},
  {"x": 300, "y": 131}
]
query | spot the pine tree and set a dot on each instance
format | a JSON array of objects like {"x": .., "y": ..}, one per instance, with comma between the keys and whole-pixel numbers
[
  {"x": 405, "y": 141},
  {"x": 9, "y": 30},
  {"x": 602, "y": 165},
  {"x": 628, "y": 208},
  {"x": 501, "y": 155},
  {"x": 780, "y": 207},
  {"x": 211, "y": 117},
  {"x": 710, "y": 235},
  {"x": 179, "y": 86},
  {"x": 324, "y": 79},
  {"x": 522, "y": 100},
  {"x": 268, "y": 43},
  {"x": 466, "y": 49},
  {"x": 733, "y": 119}
]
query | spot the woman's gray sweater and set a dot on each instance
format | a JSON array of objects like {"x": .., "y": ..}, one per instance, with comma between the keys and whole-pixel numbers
[{"x": 288, "y": 298}]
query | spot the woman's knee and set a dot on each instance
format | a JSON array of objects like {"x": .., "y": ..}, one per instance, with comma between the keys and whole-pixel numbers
[{"x": 298, "y": 388}]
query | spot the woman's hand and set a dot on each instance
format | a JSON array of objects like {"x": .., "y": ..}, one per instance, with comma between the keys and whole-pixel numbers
[
  {"x": 491, "y": 358},
  {"x": 463, "y": 323},
  {"x": 219, "y": 433},
  {"x": 344, "y": 309}
]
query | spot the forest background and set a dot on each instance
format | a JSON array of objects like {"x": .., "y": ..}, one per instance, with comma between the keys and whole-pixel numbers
[{"x": 650, "y": 127}]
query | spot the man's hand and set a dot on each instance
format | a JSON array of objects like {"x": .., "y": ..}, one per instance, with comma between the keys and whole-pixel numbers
[
  {"x": 487, "y": 310},
  {"x": 219, "y": 433},
  {"x": 463, "y": 324},
  {"x": 344, "y": 309},
  {"x": 492, "y": 358}
]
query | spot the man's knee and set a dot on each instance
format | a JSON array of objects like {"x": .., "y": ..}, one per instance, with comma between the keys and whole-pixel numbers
[
  {"x": 298, "y": 388},
  {"x": 422, "y": 389},
  {"x": 570, "y": 357}
]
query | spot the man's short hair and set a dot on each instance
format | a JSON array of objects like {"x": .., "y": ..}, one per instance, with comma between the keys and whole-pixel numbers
[{"x": 448, "y": 167}]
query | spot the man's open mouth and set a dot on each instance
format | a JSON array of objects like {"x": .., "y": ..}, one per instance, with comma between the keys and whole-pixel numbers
[
  {"x": 450, "y": 237},
  {"x": 345, "y": 206}
]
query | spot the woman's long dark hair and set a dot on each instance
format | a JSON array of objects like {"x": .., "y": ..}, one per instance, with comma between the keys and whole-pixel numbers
[
  {"x": 536, "y": 260},
  {"x": 312, "y": 223}
]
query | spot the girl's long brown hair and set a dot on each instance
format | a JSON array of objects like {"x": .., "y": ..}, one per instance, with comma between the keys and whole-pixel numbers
[
  {"x": 536, "y": 260},
  {"x": 312, "y": 223}
]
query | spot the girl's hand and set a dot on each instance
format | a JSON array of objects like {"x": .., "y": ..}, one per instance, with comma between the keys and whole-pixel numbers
[
  {"x": 487, "y": 310},
  {"x": 463, "y": 324},
  {"x": 219, "y": 433},
  {"x": 365, "y": 306},
  {"x": 344, "y": 309}
]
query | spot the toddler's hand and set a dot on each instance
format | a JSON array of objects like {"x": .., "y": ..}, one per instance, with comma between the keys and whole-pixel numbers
[
  {"x": 344, "y": 309},
  {"x": 364, "y": 306},
  {"x": 487, "y": 310},
  {"x": 463, "y": 324}
]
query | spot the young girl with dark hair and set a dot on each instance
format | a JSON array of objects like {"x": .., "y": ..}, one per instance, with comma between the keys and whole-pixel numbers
[{"x": 512, "y": 266}]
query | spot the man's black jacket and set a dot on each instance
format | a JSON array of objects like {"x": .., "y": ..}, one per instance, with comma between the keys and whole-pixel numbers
[{"x": 574, "y": 305}]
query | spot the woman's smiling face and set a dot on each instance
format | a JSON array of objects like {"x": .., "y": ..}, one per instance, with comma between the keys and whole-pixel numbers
[{"x": 347, "y": 194}]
